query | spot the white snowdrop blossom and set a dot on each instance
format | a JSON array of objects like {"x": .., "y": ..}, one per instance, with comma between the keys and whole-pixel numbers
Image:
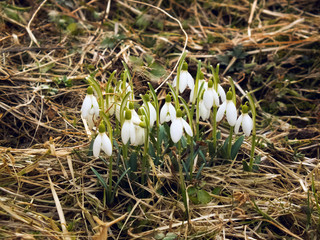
[
  {"x": 111, "y": 106},
  {"x": 205, "y": 87},
  {"x": 177, "y": 126},
  {"x": 103, "y": 142},
  {"x": 222, "y": 93},
  {"x": 167, "y": 112},
  {"x": 229, "y": 108},
  {"x": 185, "y": 79},
  {"x": 90, "y": 108},
  {"x": 210, "y": 96},
  {"x": 245, "y": 121},
  {"x": 204, "y": 111},
  {"x": 140, "y": 127},
  {"x": 90, "y": 105},
  {"x": 152, "y": 112},
  {"x": 128, "y": 131}
]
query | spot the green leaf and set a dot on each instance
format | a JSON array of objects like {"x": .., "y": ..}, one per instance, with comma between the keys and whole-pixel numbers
[
  {"x": 170, "y": 236},
  {"x": 245, "y": 166},
  {"x": 149, "y": 59},
  {"x": 203, "y": 196},
  {"x": 257, "y": 161},
  {"x": 157, "y": 70},
  {"x": 236, "y": 146},
  {"x": 216, "y": 191},
  {"x": 200, "y": 170},
  {"x": 136, "y": 61},
  {"x": 133, "y": 161},
  {"x": 117, "y": 184},
  {"x": 101, "y": 180},
  {"x": 46, "y": 68}
]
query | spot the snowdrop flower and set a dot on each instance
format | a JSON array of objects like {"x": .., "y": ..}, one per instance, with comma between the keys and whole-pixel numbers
[
  {"x": 229, "y": 108},
  {"x": 210, "y": 96},
  {"x": 90, "y": 107},
  {"x": 185, "y": 79},
  {"x": 204, "y": 111},
  {"x": 103, "y": 142},
  {"x": 177, "y": 126},
  {"x": 167, "y": 112},
  {"x": 152, "y": 111},
  {"x": 111, "y": 106},
  {"x": 140, "y": 129},
  {"x": 205, "y": 87},
  {"x": 128, "y": 130},
  {"x": 245, "y": 121},
  {"x": 222, "y": 93}
]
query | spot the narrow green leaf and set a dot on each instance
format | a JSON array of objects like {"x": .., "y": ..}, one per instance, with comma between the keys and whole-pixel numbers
[
  {"x": 101, "y": 180},
  {"x": 236, "y": 146},
  {"x": 117, "y": 184}
]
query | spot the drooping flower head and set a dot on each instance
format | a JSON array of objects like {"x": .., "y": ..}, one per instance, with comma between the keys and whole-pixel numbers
[
  {"x": 196, "y": 92},
  {"x": 210, "y": 96},
  {"x": 128, "y": 129},
  {"x": 167, "y": 112},
  {"x": 90, "y": 107},
  {"x": 103, "y": 142},
  {"x": 152, "y": 111},
  {"x": 185, "y": 79},
  {"x": 203, "y": 110},
  {"x": 111, "y": 102},
  {"x": 229, "y": 108},
  {"x": 140, "y": 129},
  {"x": 177, "y": 126},
  {"x": 245, "y": 121}
]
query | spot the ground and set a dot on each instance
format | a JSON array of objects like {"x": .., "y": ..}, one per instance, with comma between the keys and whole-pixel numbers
[{"x": 48, "y": 187}]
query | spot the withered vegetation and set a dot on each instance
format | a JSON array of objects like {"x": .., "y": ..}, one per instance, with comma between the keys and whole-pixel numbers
[{"x": 48, "y": 47}]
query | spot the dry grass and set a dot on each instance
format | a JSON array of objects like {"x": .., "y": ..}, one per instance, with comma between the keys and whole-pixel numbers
[{"x": 48, "y": 190}]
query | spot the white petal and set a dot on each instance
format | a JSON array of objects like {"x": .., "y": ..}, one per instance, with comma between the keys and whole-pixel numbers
[
  {"x": 125, "y": 131},
  {"x": 97, "y": 146},
  {"x": 132, "y": 133},
  {"x": 174, "y": 83},
  {"x": 183, "y": 82},
  {"x": 231, "y": 113},
  {"x": 172, "y": 112},
  {"x": 190, "y": 81},
  {"x": 204, "y": 111},
  {"x": 216, "y": 101},
  {"x": 238, "y": 123},
  {"x": 187, "y": 127},
  {"x": 163, "y": 113},
  {"x": 106, "y": 144},
  {"x": 95, "y": 105},
  {"x": 221, "y": 111},
  {"x": 208, "y": 98},
  {"x": 191, "y": 95},
  {"x": 153, "y": 114},
  {"x": 86, "y": 106},
  {"x": 222, "y": 93},
  {"x": 176, "y": 130},
  {"x": 247, "y": 124},
  {"x": 139, "y": 136}
]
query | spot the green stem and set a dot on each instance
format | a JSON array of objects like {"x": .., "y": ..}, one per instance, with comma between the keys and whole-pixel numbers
[
  {"x": 253, "y": 140},
  {"x": 253, "y": 143},
  {"x": 214, "y": 129},
  {"x": 110, "y": 181},
  {"x": 144, "y": 157},
  {"x": 125, "y": 152},
  {"x": 182, "y": 182},
  {"x": 230, "y": 141}
]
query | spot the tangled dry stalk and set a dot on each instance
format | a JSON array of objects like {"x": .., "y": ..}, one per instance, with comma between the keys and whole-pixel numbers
[{"x": 48, "y": 190}]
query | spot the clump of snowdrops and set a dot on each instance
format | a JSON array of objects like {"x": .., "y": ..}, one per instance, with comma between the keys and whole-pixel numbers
[{"x": 139, "y": 130}]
